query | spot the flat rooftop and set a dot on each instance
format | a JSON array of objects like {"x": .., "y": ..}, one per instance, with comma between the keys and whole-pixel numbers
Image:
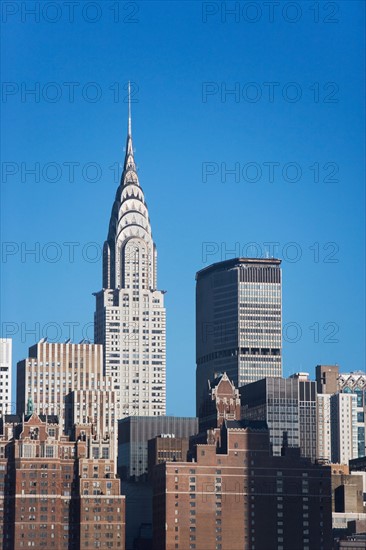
[{"x": 236, "y": 262}]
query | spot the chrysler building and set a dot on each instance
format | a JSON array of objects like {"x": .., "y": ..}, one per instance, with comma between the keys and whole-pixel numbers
[{"x": 130, "y": 315}]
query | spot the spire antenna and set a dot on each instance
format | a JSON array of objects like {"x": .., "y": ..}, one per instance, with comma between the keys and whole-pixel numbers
[{"x": 129, "y": 109}]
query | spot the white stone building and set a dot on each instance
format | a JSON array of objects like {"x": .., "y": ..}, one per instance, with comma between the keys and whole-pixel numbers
[
  {"x": 323, "y": 444},
  {"x": 5, "y": 376},
  {"x": 343, "y": 414},
  {"x": 130, "y": 315},
  {"x": 341, "y": 408},
  {"x": 56, "y": 371}
]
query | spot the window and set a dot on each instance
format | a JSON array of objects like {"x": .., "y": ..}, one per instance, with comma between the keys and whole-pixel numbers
[
  {"x": 28, "y": 451},
  {"x": 49, "y": 451},
  {"x": 105, "y": 452}
]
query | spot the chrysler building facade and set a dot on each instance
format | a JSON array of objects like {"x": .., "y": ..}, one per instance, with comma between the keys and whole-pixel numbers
[{"x": 130, "y": 315}]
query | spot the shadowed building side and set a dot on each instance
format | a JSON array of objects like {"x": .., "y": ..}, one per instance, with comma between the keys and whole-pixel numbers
[{"x": 238, "y": 322}]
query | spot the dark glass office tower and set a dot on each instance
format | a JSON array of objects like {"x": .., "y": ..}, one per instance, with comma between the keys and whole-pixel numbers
[
  {"x": 288, "y": 406},
  {"x": 238, "y": 322}
]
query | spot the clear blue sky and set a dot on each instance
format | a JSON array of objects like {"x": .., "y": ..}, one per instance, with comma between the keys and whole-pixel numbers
[{"x": 292, "y": 131}]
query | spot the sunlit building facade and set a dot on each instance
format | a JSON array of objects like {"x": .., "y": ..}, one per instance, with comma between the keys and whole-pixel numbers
[
  {"x": 6, "y": 405},
  {"x": 130, "y": 315},
  {"x": 341, "y": 408}
]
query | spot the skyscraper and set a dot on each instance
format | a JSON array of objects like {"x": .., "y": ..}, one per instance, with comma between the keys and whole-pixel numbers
[
  {"x": 130, "y": 315},
  {"x": 67, "y": 380},
  {"x": 5, "y": 375},
  {"x": 344, "y": 415},
  {"x": 53, "y": 370},
  {"x": 343, "y": 421},
  {"x": 355, "y": 382},
  {"x": 324, "y": 428},
  {"x": 238, "y": 322}
]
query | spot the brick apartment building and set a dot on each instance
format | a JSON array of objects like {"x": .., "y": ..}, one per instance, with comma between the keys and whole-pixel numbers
[
  {"x": 57, "y": 491},
  {"x": 166, "y": 448},
  {"x": 235, "y": 495}
]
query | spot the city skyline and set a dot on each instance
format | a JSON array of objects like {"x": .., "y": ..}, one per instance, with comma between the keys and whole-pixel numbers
[{"x": 181, "y": 167}]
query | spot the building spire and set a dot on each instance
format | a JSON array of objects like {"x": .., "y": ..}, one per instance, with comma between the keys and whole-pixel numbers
[
  {"x": 129, "y": 109},
  {"x": 129, "y": 160}
]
